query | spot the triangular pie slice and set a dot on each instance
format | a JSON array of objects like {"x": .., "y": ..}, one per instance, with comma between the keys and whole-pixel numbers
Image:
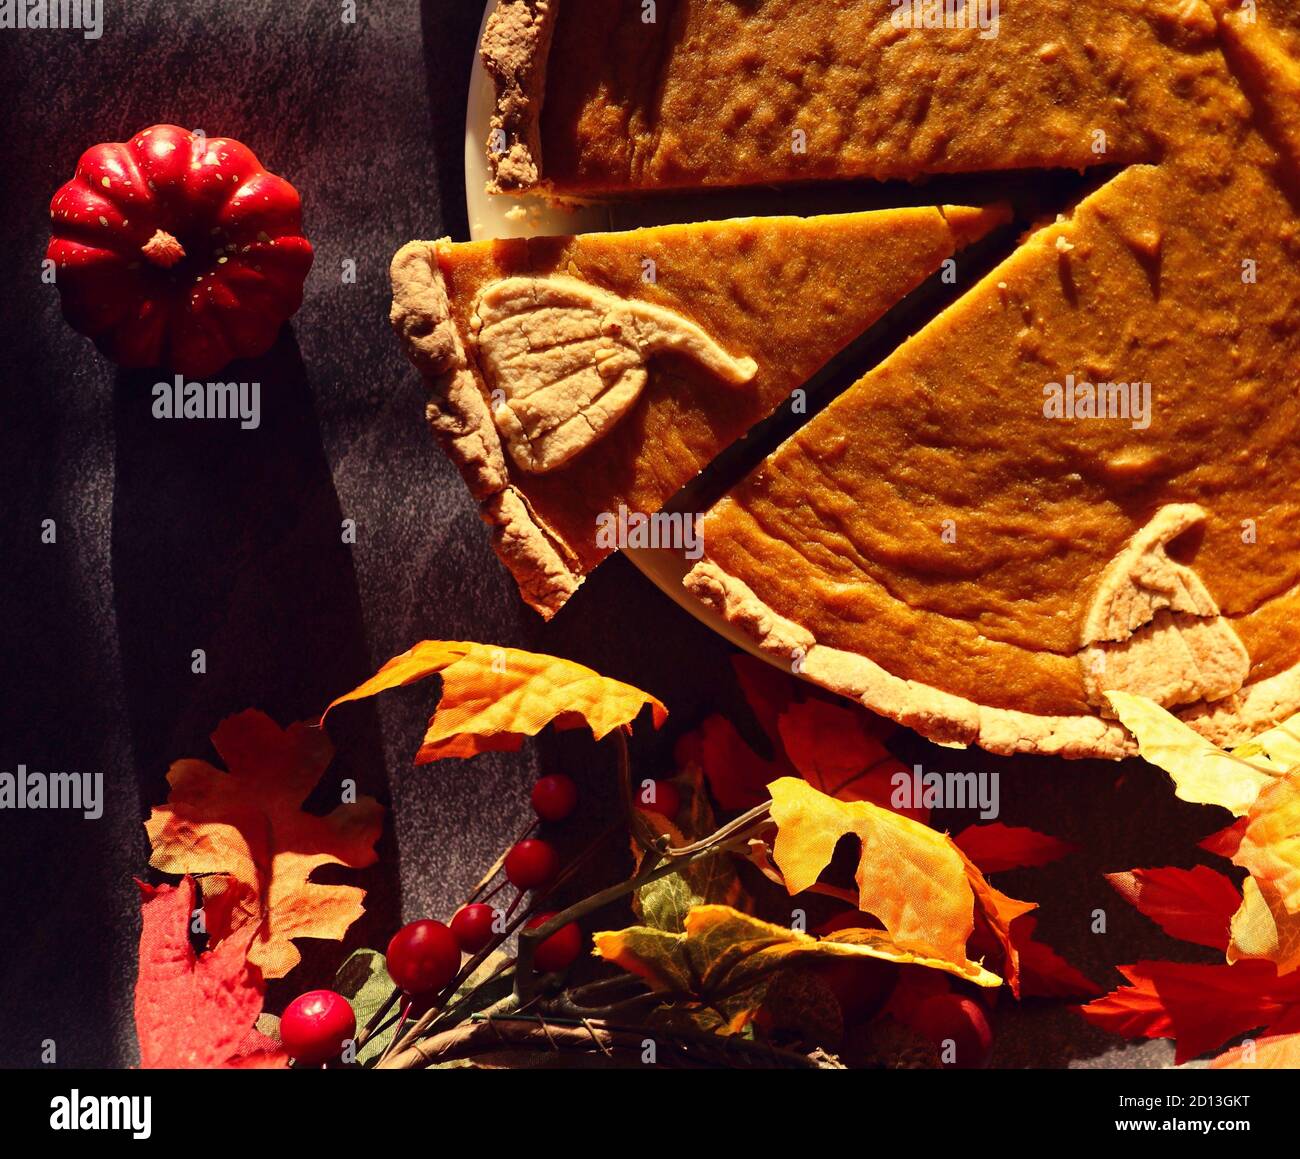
[
  {"x": 572, "y": 378},
  {"x": 1083, "y": 476},
  {"x": 597, "y": 99}
]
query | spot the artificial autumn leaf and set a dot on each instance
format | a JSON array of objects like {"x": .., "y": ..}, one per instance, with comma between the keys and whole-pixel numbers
[
  {"x": 834, "y": 750},
  {"x": 248, "y": 822},
  {"x": 1280, "y": 745},
  {"x": 1270, "y": 841},
  {"x": 997, "y": 847},
  {"x": 838, "y": 748},
  {"x": 1194, "y": 904},
  {"x": 1202, "y": 772},
  {"x": 768, "y": 691},
  {"x": 494, "y": 697},
  {"x": 759, "y": 854},
  {"x": 724, "y": 959},
  {"x": 663, "y": 904},
  {"x": 1225, "y": 842},
  {"x": 363, "y": 980},
  {"x": 1262, "y": 928},
  {"x": 998, "y": 913},
  {"x": 1279, "y": 1049},
  {"x": 1043, "y": 972},
  {"x": 226, "y": 902},
  {"x": 910, "y": 877},
  {"x": 737, "y": 775},
  {"x": 194, "y": 1010},
  {"x": 1201, "y": 1007}
]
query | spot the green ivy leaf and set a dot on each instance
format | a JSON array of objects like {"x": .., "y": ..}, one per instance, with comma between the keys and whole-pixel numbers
[
  {"x": 664, "y": 904},
  {"x": 363, "y": 980}
]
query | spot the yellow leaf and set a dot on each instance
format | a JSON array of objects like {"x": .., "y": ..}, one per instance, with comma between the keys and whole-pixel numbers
[
  {"x": 1280, "y": 746},
  {"x": 1277, "y": 1049},
  {"x": 1202, "y": 772},
  {"x": 1262, "y": 928},
  {"x": 248, "y": 823},
  {"x": 914, "y": 879},
  {"x": 1270, "y": 844},
  {"x": 724, "y": 958},
  {"x": 494, "y": 697}
]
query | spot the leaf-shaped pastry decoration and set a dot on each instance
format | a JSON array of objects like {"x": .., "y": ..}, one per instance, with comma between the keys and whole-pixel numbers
[
  {"x": 1154, "y": 629},
  {"x": 565, "y": 361}
]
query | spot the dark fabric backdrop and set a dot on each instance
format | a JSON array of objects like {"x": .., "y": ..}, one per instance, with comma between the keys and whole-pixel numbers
[{"x": 177, "y": 536}]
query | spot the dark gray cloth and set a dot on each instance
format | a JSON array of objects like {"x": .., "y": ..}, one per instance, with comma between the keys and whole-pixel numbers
[{"x": 179, "y": 536}]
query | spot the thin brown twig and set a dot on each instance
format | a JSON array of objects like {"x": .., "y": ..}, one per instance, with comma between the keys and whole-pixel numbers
[{"x": 676, "y": 1048}]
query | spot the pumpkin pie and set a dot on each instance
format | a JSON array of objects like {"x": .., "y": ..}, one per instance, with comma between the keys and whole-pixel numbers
[
  {"x": 574, "y": 380},
  {"x": 597, "y": 99},
  {"x": 1084, "y": 475}
]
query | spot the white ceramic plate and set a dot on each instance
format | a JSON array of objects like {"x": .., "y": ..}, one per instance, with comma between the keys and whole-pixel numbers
[{"x": 491, "y": 217}]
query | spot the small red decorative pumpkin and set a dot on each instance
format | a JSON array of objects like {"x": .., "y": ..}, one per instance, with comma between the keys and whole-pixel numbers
[{"x": 178, "y": 250}]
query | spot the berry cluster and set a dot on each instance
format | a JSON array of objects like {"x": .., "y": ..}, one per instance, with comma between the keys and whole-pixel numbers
[{"x": 425, "y": 957}]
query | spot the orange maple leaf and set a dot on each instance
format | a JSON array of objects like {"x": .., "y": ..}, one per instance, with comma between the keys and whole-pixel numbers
[
  {"x": 494, "y": 697},
  {"x": 915, "y": 880},
  {"x": 248, "y": 823},
  {"x": 1270, "y": 840}
]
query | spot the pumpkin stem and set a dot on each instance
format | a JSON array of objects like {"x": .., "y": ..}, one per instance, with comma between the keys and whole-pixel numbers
[{"x": 163, "y": 250}]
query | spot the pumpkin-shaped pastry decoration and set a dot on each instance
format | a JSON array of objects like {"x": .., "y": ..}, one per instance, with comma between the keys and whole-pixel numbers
[
  {"x": 178, "y": 250},
  {"x": 565, "y": 361},
  {"x": 1155, "y": 629}
]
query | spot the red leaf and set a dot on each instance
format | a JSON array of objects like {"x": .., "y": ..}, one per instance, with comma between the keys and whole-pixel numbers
[
  {"x": 837, "y": 748},
  {"x": 1277, "y": 1049},
  {"x": 223, "y": 897},
  {"x": 834, "y": 749},
  {"x": 1043, "y": 972},
  {"x": 1195, "y": 904},
  {"x": 1226, "y": 842},
  {"x": 191, "y": 1010},
  {"x": 1201, "y": 1007},
  {"x": 997, "y": 847},
  {"x": 737, "y": 775},
  {"x": 768, "y": 692}
]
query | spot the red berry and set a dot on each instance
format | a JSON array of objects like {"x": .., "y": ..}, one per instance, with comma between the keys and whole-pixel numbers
[
  {"x": 957, "y": 1026},
  {"x": 555, "y": 797},
  {"x": 472, "y": 926},
  {"x": 423, "y": 957},
  {"x": 660, "y": 797},
  {"x": 861, "y": 985},
  {"x": 532, "y": 864},
  {"x": 316, "y": 1026},
  {"x": 560, "y": 950}
]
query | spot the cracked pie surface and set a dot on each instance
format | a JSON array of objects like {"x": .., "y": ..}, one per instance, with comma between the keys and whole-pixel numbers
[{"x": 1082, "y": 476}]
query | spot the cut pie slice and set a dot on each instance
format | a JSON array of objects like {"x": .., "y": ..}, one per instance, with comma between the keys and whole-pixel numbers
[
  {"x": 1084, "y": 476},
  {"x": 574, "y": 378},
  {"x": 597, "y": 98}
]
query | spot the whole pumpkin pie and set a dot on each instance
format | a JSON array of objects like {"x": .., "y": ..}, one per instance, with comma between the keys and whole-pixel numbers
[
  {"x": 1083, "y": 476},
  {"x": 577, "y": 381},
  {"x": 597, "y": 99}
]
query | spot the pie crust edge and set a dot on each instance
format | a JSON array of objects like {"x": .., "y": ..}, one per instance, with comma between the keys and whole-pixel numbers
[
  {"x": 515, "y": 49},
  {"x": 546, "y": 571},
  {"x": 954, "y": 721}
]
